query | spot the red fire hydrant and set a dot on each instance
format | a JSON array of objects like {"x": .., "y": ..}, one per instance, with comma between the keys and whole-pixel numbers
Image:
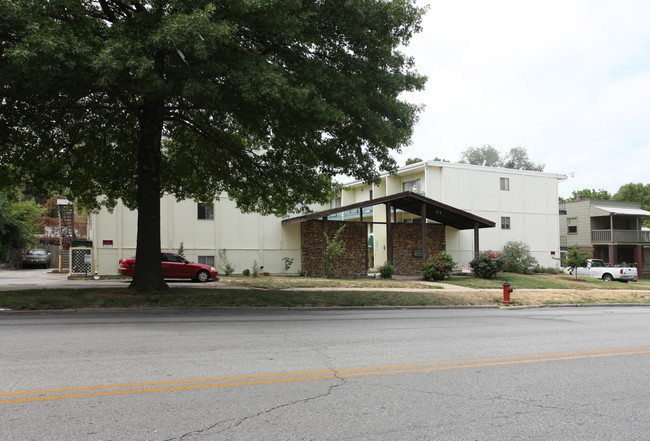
[{"x": 506, "y": 292}]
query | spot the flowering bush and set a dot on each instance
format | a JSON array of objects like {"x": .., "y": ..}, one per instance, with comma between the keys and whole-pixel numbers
[
  {"x": 486, "y": 264},
  {"x": 438, "y": 266}
]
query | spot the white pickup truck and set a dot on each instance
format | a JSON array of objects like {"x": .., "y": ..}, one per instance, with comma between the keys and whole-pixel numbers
[{"x": 597, "y": 269}]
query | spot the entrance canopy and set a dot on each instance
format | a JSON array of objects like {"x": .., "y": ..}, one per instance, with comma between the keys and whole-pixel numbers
[{"x": 411, "y": 203}]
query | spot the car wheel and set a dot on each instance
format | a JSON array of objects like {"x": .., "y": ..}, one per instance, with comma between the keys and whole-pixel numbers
[
  {"x": 202, "y": 276},
  {"x": 607, "y": 277}
]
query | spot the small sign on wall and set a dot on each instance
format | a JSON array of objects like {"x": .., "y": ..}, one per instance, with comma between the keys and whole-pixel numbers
[
  {"x": 417, "y": 252},
  {"x": 107, "y": 243},
  {"x": 466, "y": 269}
]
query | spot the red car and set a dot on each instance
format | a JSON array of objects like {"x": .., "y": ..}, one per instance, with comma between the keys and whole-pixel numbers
[{"x": 174, "y": 266}]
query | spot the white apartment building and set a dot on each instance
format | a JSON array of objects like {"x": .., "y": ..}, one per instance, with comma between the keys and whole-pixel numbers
[{"x": 522, "y": 204}]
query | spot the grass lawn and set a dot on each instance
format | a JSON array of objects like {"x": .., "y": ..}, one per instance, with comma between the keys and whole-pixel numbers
[
  {"x": 545, "y": 281},
  {"x": 279, "y": 291}
]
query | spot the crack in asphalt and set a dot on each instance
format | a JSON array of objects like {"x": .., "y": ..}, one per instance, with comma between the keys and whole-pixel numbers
[
  {"x": 340, "y": 381},
  {"x": 241, "y": 421}
]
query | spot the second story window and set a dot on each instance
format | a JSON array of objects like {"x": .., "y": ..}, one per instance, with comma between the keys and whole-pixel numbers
[
  {"x": 505, "y": 184},
  {"x": 505, "y": 222},
  {"x": 413, "y": 186},
  {"x": 572, "y": 225},
  {"x": 336, "y": 202},
  {"x": 205, "y": 211}
]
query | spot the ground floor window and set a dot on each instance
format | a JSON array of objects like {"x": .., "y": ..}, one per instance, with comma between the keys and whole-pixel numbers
[{"x": 206, "y": 260}]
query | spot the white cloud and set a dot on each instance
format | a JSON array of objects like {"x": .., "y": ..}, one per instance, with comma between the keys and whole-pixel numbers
[{"x": 567, "y": 80}]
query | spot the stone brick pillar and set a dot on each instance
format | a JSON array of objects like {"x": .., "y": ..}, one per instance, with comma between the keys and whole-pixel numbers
[
  {"x": 638, "y": 258},
  {"x": 353, "y": 263},
  {"x": 612, "y": 255}
]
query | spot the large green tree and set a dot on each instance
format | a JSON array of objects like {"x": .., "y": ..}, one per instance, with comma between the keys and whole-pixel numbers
[
  {"x": 266, "y": 100},
  {"x": 516, "y": 158},
  {"x": 486, "y": 155},
  {"x": 634, "y": 192},
  {"x": 590, "y": 193},
  {"x": 19, "y": 221}
]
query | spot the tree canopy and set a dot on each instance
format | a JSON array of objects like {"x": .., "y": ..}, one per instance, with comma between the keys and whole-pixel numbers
[
  {"x": 590, "y": 193},
  {"x": 634, "y": 192},
  {"x": 515, "y": 158},
  {"x": 18, "y": 221},
  {"x": 576, "y": 258},
  {"x": 264, "y": 100},
  {"x": 486, "y": 155}
]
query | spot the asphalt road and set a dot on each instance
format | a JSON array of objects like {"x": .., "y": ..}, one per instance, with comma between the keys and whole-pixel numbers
[{"x": 451, "y": 374}]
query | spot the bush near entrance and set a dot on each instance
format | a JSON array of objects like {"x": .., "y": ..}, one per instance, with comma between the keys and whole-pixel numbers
[
  {"x": 487, "y": 264},
  {"x": 438, "y": 266}
]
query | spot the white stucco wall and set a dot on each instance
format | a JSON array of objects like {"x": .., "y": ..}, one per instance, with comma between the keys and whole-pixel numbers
[
  {"x": 245, "y": 236},
  {"x": 531, "y": 203}
]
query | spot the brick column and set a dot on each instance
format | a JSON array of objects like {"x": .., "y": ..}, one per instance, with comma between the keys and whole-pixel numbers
[
  {"x": 612, "y": 255},
  {"x": 638, "y": 258}
]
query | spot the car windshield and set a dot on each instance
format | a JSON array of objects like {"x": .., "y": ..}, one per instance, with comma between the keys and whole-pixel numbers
[{"x": 36, "y": 252}]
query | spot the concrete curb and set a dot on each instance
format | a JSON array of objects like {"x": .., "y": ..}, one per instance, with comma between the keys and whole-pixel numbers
[{"x": 167, "y": 310}]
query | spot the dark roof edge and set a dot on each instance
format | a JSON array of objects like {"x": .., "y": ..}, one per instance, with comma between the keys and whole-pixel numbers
[{"x": 482, "y": 222}]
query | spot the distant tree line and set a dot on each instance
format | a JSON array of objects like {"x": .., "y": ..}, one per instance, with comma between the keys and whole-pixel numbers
[{"x": 515, "y": 158}]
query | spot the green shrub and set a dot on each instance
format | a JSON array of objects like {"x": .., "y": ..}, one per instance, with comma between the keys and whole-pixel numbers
[
  {"x": 288, "y": 261},
  {"x": 438, "y": 266},
  {"x": 576, "y": 258},
  {"x": 486, "y": 264},
  {"x": 224, "y": 264},
  {"x": 386, "y": 271},
  {"x": 334, "y": 248},
  {"x": 256, "y": 269},
  {"x": 545, "y": 270},
  {"x": 517, "y": 258},
  {"x": 246, "y": 272}
]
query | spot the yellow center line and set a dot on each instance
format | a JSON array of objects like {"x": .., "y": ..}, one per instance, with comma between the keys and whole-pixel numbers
[{"x": 312, "y": 375}]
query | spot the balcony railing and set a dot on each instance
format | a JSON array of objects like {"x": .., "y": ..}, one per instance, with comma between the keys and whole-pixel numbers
[{"x": 620, "y": 236}]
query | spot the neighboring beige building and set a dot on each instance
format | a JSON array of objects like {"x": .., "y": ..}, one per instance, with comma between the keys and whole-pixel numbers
[
  {"x": 611, "y": 229},
  {"x": 523, "y": 204}
]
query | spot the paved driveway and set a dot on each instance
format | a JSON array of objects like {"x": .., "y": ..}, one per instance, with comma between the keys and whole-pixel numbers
[{"x": 20, "y": 279}]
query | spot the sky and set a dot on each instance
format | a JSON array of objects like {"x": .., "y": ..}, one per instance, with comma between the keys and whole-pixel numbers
[{"x": 567, "y": 80}]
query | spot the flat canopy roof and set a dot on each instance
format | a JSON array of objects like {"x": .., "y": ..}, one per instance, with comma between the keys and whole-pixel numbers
[
  {"x": 621, "y": 210},
  {"x": 411, "y": 203}
]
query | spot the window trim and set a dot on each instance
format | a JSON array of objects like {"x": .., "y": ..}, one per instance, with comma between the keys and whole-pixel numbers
[
  {"x": 569, "y": 227},
  {"x": 413, "y": 184},
  {"x": 204, "y": 211},
  {"x": 205, "y": 257}
]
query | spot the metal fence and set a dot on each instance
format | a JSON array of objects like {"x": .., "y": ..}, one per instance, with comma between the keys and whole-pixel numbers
[{"x": 81, "y": 260}]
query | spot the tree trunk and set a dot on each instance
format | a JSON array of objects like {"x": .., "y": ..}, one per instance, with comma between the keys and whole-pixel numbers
[{"x": 148, "y": 270}]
